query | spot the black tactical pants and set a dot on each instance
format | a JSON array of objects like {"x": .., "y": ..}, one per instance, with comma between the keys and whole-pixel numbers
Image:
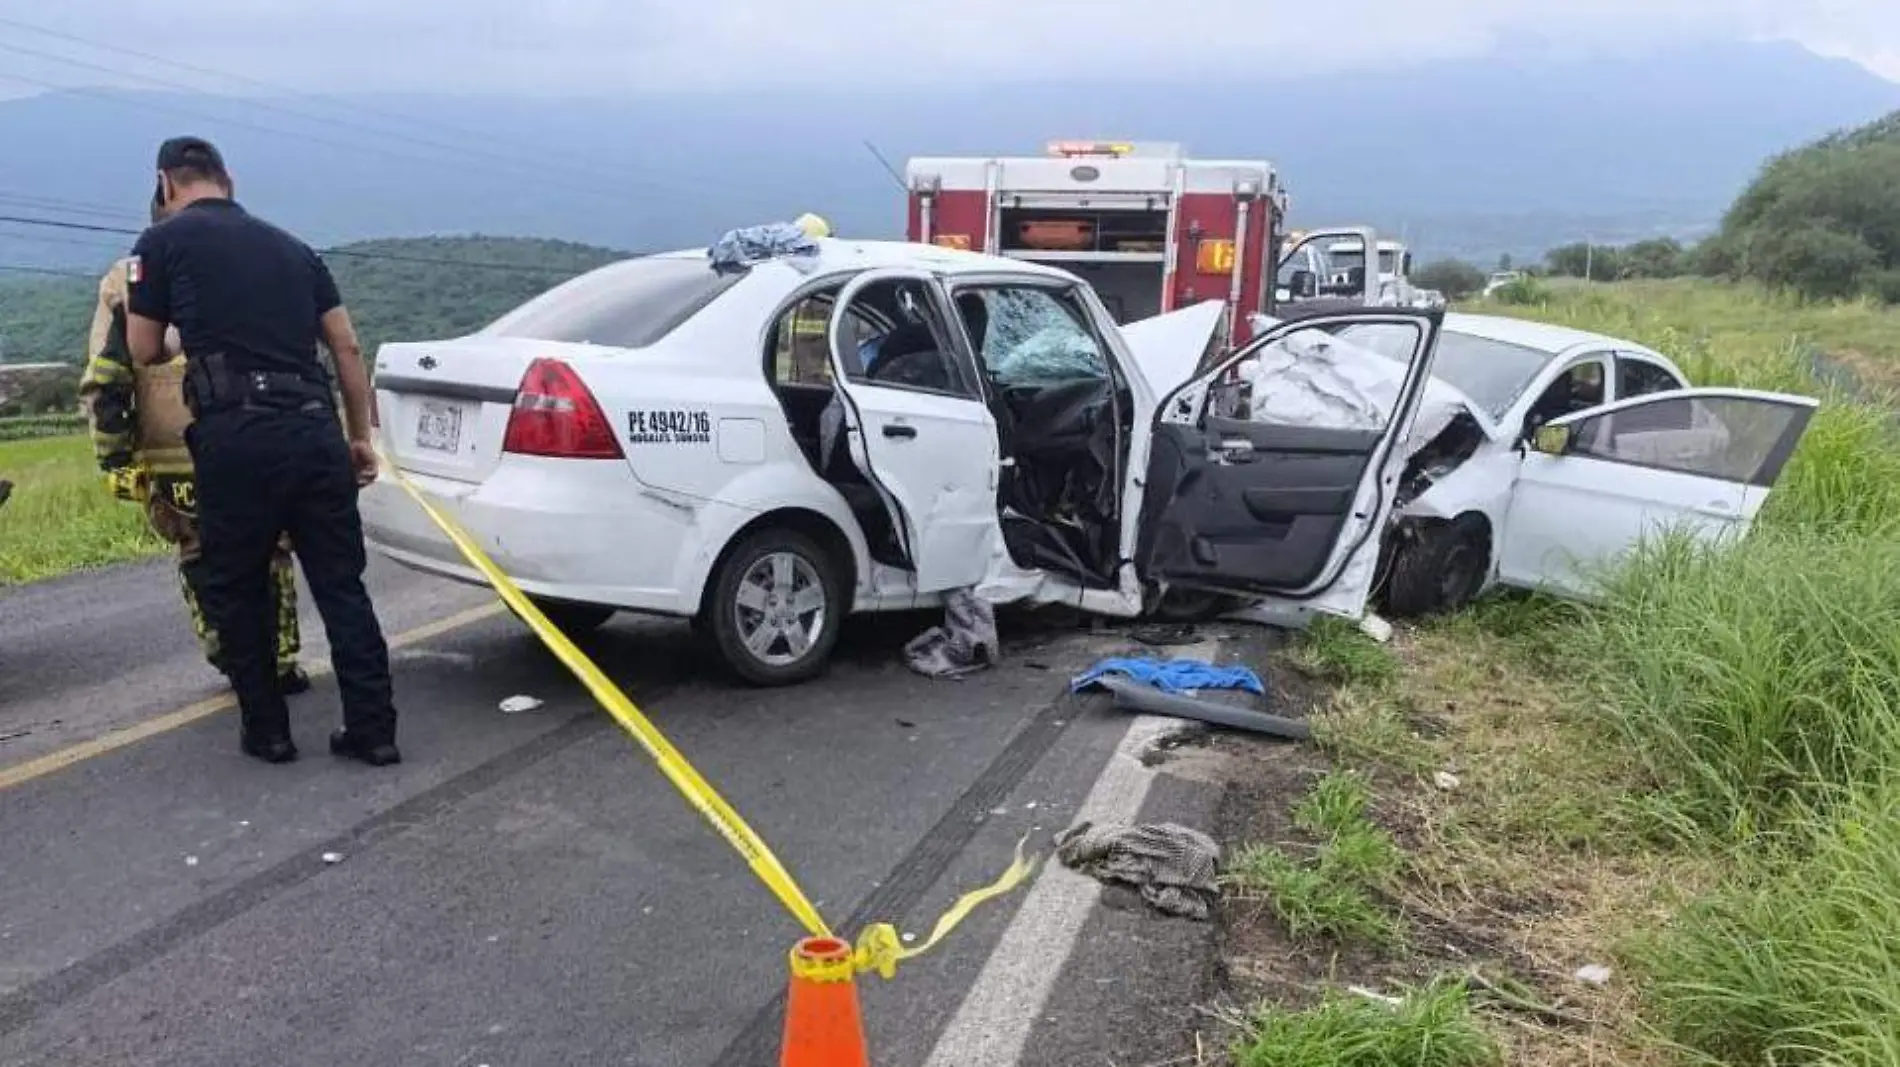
[{"x": 263, "y": 473}]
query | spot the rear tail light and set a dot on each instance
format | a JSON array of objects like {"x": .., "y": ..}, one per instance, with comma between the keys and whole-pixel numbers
[{"x": 555, "y": 415}]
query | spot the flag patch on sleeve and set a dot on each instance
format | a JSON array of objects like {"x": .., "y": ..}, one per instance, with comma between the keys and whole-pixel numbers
[{"x": 134, "y": 270}]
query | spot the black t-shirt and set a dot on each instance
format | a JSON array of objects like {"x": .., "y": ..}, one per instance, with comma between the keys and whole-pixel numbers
[{"x": 235, "y": 284}]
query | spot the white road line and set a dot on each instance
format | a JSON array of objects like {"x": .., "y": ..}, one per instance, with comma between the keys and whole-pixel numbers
[{"x": 993, "y": 1024}]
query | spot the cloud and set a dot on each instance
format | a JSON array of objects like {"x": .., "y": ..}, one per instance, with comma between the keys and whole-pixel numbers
[{"x": 615, "y": 47}]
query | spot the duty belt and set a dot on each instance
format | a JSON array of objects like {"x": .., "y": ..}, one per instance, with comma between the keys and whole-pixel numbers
[{"x": 211, "y": 387}]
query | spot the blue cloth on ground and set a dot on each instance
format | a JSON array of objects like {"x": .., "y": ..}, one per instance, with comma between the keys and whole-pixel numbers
[
  {"x": 742, "y": 248},
  {"x": 1173, "y": 676}
]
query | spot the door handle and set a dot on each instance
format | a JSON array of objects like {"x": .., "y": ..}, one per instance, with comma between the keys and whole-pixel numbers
[
  {"x": 1236, "y": 446},
  {"x": 898, "y": 429}
]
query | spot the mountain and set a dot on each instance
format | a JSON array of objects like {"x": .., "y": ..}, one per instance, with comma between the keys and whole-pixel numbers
[
  {"x": 1511, "y": 153},
  {"x": 395, "y": 289}
]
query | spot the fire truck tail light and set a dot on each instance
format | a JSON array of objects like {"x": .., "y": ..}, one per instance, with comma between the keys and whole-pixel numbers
[
  {"x": 958, "y": 241},
  {"x": 1214, "y": 257}
]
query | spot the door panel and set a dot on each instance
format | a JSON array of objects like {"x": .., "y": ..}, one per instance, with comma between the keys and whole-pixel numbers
[
  {"x": 1251, "y": 492},
  {"x": 1697, "y": 462},
  {"x": 930, "y": 452}
]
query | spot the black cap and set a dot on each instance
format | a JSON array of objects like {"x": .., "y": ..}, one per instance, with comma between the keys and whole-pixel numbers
[{"x": 193, "y": 152}]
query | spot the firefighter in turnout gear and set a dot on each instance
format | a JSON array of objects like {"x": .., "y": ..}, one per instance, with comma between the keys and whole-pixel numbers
[{"x": 138, "y": 421}]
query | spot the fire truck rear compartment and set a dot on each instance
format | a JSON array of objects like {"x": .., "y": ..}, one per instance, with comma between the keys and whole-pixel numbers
[{"x": 1121, "y": 252}]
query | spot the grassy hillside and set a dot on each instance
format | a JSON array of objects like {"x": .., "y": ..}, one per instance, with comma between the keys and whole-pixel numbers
[{"x": 409, "y": 288}]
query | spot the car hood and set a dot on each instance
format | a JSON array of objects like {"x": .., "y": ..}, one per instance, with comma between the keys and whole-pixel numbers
[{"x": 1167, "y": 348}]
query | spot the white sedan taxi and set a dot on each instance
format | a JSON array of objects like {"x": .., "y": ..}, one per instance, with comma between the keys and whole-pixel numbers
[{"x": 867, "y": 427}]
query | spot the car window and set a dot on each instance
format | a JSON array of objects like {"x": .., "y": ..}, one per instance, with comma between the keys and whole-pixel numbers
[
  {"x": 1492, "y": 373},
  {"x": 1031, "y": 336},
  {"x": 630, "y": 304},
  {"x": 1640, "y": 377},
  {"x": 1736, "y": 439},
  {"x": 1577, "y": 389},
  {"x": 801, "y": 345},
  {"x": 915, "y": 351}
]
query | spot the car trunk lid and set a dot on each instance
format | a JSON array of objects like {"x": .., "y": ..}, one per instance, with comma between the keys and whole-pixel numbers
[{"x": 444, "y": 405}]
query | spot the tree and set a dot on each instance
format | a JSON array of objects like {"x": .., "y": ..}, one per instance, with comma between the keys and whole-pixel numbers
[
  {"x": 1823, "y": 220},
  {"x": 1659, "y": 257},
  {"x": 1453, "y": 277},
  {"x": 1600, "y": 263},
  {"x": 1504, "y": 262}
]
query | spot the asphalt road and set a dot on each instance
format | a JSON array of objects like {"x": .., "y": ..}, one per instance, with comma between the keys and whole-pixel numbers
[{"x": 524, "y": 889}]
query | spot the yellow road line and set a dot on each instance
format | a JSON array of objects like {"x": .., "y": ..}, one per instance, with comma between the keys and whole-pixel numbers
[{"x": 60, "y": 759}]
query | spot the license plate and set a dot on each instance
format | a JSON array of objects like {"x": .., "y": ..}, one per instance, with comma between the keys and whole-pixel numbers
[{"x": 439, "y": 427}]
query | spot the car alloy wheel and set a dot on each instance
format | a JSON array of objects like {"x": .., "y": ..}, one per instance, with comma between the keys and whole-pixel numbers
[
  {"x": 775, "y": 607},
  {"x": 780, "y": 606}
]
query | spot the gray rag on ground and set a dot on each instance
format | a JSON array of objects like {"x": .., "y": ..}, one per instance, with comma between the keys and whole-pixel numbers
[
  {"x": 1172, "y": 865},
  {"x": 965, "y": 642}
]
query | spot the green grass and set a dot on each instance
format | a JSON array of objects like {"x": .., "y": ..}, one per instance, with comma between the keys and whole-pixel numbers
[
  {"x": 1429, "y": 1027},
  {"x": 1758, "y": 689},
  {"x": 1332, "y": 893},
  {"x": 61, "y": 517},
  {"x": 1334, "y": 650}
]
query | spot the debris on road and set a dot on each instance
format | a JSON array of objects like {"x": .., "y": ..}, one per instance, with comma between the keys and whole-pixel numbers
[
  {"x": 1173, "y": 866},
  {"x": 515, "y": 705},
  {"x": 191, "y": 861},
  {"x": 1166, "y": 633},
  {"x": 1173, "y": 676},
  {"x": 332, "y": 857},
  {"x": 1137, "y": 697},
  {"x": 966, "y": 641}
]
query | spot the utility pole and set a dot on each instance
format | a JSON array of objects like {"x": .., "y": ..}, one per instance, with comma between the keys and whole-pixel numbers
[{"x": 1589, "y": 258}]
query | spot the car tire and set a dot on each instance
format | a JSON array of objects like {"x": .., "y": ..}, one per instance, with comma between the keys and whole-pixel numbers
[
  {"x": 783, "y": 639},
  {"x": 572, "y": 617},
  {"x": 1439, "y": 568}
]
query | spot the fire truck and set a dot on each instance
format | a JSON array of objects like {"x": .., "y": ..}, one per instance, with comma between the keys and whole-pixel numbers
[{"x": 1150, "y": 229}]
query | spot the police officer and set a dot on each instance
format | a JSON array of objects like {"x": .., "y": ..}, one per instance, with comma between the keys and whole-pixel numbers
[
  {"x": 251, "y": 303},
  {"x": 137, "y": 422}
]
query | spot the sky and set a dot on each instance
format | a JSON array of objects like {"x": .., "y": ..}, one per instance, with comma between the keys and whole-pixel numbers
[{"x": 620, "y": 47}]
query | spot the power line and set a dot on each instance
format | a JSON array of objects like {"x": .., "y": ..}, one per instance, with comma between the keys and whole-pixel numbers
[
  {"x": 173, "y": 63},
  {"x": 49, "y": 271},
  {"x": 440, "y": 146},
  {"x": 70, "y": 207},
  {"x": 309, "y": 138},
  {"x": 346, "y": 253}
]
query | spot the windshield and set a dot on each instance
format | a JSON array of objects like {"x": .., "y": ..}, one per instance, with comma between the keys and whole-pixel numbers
[
  {"x": 1491, "y": 373},
  {"x": 630, "y": 304}
]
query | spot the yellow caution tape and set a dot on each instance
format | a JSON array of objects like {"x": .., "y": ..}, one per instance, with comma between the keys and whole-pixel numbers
[{"x": 879, "y": 947}]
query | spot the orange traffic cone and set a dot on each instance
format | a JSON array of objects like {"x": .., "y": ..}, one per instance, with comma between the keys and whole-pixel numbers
[{"x": 822, "y": 1027}]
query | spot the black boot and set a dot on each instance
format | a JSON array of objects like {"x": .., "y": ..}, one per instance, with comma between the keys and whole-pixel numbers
[
  {"x": 376, "y": 754},
  {"x": 268, "y": 749},
  {"x": 293, "y": 680}
]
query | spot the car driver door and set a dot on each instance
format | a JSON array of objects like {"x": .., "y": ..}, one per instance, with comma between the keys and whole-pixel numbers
[
  {"x": 1593, "y": 484},
  {"x": 1258, "y": 487},
  {"x": 917, "y": 427}
]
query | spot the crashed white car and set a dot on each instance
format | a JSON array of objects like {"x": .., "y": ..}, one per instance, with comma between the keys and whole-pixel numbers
[
  {"x": 1539, "y": 453},
  {"x": 869, "y": 427}
]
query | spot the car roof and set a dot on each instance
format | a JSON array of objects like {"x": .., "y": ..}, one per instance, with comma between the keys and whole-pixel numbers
[
  {"x": 837, "y": 255},
  {"x": 1541, "y": 336}
]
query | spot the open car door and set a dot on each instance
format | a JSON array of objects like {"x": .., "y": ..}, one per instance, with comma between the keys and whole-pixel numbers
[
  {"x": 1252, "y": 492},
  {"x": 1596, "y": 482},
  {"x": 917, "y": 427}
]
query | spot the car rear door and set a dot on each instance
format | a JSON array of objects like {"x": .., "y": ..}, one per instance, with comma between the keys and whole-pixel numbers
[
  {"x": 918, "y": 429},
  {"x": 1253, "y": 493},
  {"x": 1697, "y": 461}
]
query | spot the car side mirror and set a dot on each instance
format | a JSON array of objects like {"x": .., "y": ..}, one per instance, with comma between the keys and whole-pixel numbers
[{"x": 1551, "y": 440}]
